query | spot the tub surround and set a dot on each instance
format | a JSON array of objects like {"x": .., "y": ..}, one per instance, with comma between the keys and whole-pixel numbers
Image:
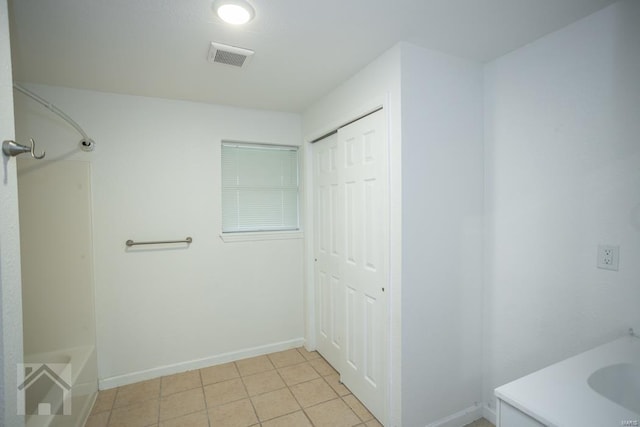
[
  {"x": 84, "y": 385},
  {"x": 560, "y": 395}
]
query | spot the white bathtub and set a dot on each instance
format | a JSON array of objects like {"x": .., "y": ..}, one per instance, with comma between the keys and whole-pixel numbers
[
  {"x": 597, "y": 388},
  {"x": 84, "y": 386}
]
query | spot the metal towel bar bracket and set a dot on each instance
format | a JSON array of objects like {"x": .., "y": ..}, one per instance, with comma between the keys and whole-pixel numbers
[{"x": 130, "y": 243}]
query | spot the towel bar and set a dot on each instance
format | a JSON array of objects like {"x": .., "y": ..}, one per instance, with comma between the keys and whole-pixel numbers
[{"x": 130, "y": 243}]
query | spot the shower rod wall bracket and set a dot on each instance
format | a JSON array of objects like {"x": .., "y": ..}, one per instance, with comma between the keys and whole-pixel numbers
[
  {"x": 87, "y": 144},
  {"x": 12, "y": 148}
]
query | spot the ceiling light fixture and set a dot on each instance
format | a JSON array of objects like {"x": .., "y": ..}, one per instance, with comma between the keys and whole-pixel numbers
[{"x": 235, "y": 12}]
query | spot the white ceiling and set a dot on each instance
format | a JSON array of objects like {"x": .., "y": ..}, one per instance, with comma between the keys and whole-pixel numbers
[{"x": 303, "y": 48}]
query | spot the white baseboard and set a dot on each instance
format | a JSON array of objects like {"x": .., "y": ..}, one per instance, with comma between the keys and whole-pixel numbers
[
  {"x": 489, "y": 414},
  {"x": 460, "y": 418},
  {"x": 176, "y": 368}
]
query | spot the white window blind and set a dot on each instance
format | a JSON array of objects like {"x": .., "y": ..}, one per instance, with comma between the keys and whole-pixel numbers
[{"x": 259, "y": 188}]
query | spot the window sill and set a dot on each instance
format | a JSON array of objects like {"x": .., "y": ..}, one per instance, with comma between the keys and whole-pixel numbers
[{"x": 261, "y": 235}]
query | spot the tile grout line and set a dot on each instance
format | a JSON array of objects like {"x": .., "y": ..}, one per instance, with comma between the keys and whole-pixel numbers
[
  {"x": 304, "y": 410},
  {"x": 204, "y": 396},
  {"x": 342, "y": 397},
  {"x": 181, "y": 391},
  {"x": 255, "y": 412},
  {"x": 349, "y": 406},
  {"x": 115, "y": 396},
  {"x": 294, "y": 396},
  {"x": 286, "y": 386},
  {"x": 159, "y": 402}
]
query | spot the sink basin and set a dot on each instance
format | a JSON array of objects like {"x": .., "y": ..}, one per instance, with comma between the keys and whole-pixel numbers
[{"x": 619, "y": 383}]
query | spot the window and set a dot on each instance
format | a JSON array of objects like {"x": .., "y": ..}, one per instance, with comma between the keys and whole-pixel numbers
[{"x": 259, "y": 188}]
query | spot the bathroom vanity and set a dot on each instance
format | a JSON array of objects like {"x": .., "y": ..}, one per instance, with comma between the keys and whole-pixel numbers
[{"x": 600, "y": 387}]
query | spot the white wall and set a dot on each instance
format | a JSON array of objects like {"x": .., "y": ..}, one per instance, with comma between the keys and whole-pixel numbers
[
  {"x": 377, "y": 83},
  {"x": 10, "y": 296},
  {"x": 442, "y": 202},
  {"x": 156, "y": 176},
  {"x": 562, "y": 175}
]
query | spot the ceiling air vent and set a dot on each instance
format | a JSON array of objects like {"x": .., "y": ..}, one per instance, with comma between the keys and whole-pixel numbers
[{"x": 229, "y": 55}]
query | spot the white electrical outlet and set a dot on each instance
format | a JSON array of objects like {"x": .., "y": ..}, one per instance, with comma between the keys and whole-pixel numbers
[{"x": 608, "y": 257}]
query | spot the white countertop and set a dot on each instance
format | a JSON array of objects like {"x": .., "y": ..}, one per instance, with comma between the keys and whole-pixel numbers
[{"x": 559, "y": 396}]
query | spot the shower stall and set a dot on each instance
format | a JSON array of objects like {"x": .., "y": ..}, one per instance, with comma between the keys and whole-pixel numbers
[{"x": 60, "y": 380}]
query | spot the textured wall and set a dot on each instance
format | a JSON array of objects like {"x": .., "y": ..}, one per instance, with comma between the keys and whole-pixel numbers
[
  {"x": 562, "y": 165},
  {"x": 10, "y": 296}
]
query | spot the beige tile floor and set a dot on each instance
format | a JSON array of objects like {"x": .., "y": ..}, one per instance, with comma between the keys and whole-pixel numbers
[{"x": 293, "y": 388}]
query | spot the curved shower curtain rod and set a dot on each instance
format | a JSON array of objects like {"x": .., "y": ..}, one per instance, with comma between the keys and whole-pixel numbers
[{"x": 86, "y": 143}]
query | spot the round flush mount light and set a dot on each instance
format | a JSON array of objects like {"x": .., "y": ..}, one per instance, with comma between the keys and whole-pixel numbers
[{"x": 235, "y": 12}]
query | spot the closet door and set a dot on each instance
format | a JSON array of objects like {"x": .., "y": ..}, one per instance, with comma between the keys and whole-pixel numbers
[
  {"x": 352, "y": 219},
  {"x": 329, "y": 247}
]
